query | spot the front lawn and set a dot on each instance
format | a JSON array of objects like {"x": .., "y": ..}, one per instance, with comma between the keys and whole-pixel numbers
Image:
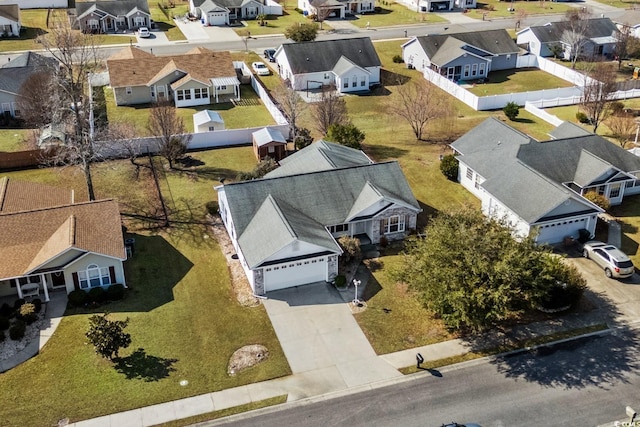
[
  {"x": 184, "y": 320},
  {"x": 249, "y": 112},
  {"x": 623, "y": 4},
  {"x": 391, "y": 13},
  {"x": 497, "y": 8},
  {"x": 628, "y": 215},
  {"x": 517, "y": 80},
  {"x": 164, "y": 19},
  {"x": 276, "y": 24}
]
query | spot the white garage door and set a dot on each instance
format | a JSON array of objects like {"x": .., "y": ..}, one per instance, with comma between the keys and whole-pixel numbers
[
  {"x": 294, "y": 273},
  {"x": 217, "y": 18},
  {"x": 555, "y": 233}
]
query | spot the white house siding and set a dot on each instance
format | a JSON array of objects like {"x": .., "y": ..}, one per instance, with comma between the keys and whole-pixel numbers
[
  {"x": 188, "y": 92},
  {"x": 312, "y": 80},
  {"x": 38, "y": 4},
  {"x": 272, "y": 8},
  {"x": 13, "y": 25},
  {"x": 470, "y": 180},
  {"x": 527, "y": 37},
  {"x": 491, "y": 207},
  {"x": 555, "y": 231},
  {"x": 345, "y": 82},
  {"x": 374, "y": 75},
  {"x": 296, "y": 273},
  {"x": 99, "y": 260},
  {"x": 216, "y": 18},
  {"x": 296, "y": 249},
  {"x": 414, "y": 56}
]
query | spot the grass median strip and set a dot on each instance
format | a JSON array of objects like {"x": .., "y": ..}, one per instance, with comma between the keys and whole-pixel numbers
[{"x": 472, "y": 355}]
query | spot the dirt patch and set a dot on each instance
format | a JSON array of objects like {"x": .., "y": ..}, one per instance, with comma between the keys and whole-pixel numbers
[
  {"x": 246, "y": 357},
  {"x": 239, "y": 282}
]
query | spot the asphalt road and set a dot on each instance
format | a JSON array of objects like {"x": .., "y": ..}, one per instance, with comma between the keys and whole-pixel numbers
[{"x": 587, "y": 382}]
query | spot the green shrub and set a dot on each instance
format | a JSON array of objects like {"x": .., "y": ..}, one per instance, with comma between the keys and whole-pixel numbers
[
  {"x": 78, "y": 298},
  {"x": 115, "y": 292},
  {"x": 212, "y": 207},
  {"x": 97, "y": 295},
  {"x": 582, "y": 118},
  {"x": 340, "y": 281},
  {"x": 108, "y": 336},
  {"x": 16, "y": 332},
  {"x": 449, "y": 167},
  {"x": 27, "y": 313},
  {"x": 18, "y": 303},
  {"x": 4, "y": 323},
  {"x": 6, "y": 310},
  {"x": 597, "y": 199},
  {"x": 511, "y": 110},
  {"x": 37, "y": 302},
  {"x": 2, "y": 336},
  {"x": 350, "y": 247},
  {"x": 398, "y": 59},
  {"x": 562, "y": 296}
]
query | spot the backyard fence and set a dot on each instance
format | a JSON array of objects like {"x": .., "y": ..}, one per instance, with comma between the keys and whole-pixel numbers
[
  {"x": 527, "y": 61},
  {"x": 22, "y": 159},
  {"x": 540, "y": 113},
  {"x": 560, "y": 71}
]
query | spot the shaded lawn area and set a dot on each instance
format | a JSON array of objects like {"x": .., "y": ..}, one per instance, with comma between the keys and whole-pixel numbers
[
  {"x": 14, "y": 139},
  {"x": 166, "y": 23},
  {"x": 276, "y": 24},
  {"x": 394, "y": 14},
  {"x": 622, "y": 73},
  {"x": 249, "y": 112},
  {"x": 517, "y": 80},
  {"x": 184, "y": 321},
  {"x": 395, "y": 319},
  {"x": 497, "y": 8}
]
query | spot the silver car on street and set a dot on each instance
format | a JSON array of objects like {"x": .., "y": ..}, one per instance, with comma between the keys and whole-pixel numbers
[{"x": 614, "y": 262}]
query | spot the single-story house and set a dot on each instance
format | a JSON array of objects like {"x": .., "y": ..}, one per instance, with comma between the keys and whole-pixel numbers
[
  {"x": 539, "y": 186},
  {"x": 111, "y": 16},
  {"x": 462, "y": 56},
  {"x": 207, "y": 121},
  {"x": 284, "y": 226},
  {"x": 10, "y": 20},
  {"x": 600, "y": 38},
  {"x": 198, "y": 77},
  {"x": 335, "y": 8},
  {"x": 49, "y": 241},
  {"x": 351, "y": 65},
  {"x": 269, "y": 142},
  {"x": 226, "y": 12},
  {"x": 631, "y": 20},
  {"x": 16, "y": 72}
]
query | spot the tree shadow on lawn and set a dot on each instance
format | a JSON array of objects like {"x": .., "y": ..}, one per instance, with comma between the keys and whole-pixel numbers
[
  {"x": 381, "y": 153},
  {"x": 389, "y": 78},
  {"x": 522, "y": 120},
  {"x": 141, "y": 366}
]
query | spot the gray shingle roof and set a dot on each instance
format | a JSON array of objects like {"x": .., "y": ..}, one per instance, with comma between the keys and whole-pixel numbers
[
  {"x": 319, "y": 156},
  {"x": 113, "y": 7},
  {"x": 268, "y": 213},
  {"x": 318, "y": 56},
  {"x": 568, "y": 130},
  {"x": 14, "y": 73},
  {"x": 552, "y": 32},
  {"x": 267, "y": 135}
]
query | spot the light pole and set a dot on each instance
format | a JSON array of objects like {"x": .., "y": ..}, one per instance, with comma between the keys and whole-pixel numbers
[{"x": 356, "y": 283}]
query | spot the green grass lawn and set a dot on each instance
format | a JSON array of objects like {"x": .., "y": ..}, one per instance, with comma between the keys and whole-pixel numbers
[
  {"x": 391, "y": 13},
  {"x": 165, "y": 22},
  {"x": 277, "y": 24},
  {"x": 14, "y": 139},
  {"x": 517, "y": 80},
  {"x": 184, "y": 320},
  {"x": 623, "y": 72},
  {"x": 627, "y": 214},
  {"x": 34, "y": 23},
  {"x": 623, "y": 4},
  {"x": 248, "y": 112},
  {"x": 497, "y": 8}
]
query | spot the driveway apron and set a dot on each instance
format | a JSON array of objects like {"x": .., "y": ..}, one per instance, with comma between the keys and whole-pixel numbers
[{"x": 317, "y": 332}]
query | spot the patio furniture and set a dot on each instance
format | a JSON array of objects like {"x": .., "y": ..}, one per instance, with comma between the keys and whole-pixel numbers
[{"x": 30, "y": 290}]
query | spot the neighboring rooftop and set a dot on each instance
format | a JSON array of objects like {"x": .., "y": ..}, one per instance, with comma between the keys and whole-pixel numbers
[{"x": 317, "y": 56}]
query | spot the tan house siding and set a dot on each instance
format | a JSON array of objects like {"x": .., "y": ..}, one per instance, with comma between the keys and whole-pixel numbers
[{"x": 138, "y": 95}]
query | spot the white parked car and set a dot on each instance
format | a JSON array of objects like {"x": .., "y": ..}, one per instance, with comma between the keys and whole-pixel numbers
[
  {"x": 143, "y": 32},
  {"x": 614, "y": 262},
  {"x": 260, "y": 68}
]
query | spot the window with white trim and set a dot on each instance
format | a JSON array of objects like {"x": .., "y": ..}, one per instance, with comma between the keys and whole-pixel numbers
[
  {"x": 94, "y": 277},
  {"x": 139, "y": 21},
  {"x": 363, "y": 81},
  {"x": 339, "y": 228},
  {"x": 354, "y": 81},
  {"x": 614, "y": 191},
  {"x": 481, "y": 72},
  {"x": 345, "y": 82},
  {"x": 393, "y": 224},
  {"x": 16, "y": 109},
  {"x": 93, "y": 24},
  {"x": 469, "y": 173},
  {"x": 467, "y": 69},
  {"x": 211, "y": 128},
  {"x": 474, "y": 69}
]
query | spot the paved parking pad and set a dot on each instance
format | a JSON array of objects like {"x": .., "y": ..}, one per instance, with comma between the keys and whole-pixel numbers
[{"x": 317, "y": 332}]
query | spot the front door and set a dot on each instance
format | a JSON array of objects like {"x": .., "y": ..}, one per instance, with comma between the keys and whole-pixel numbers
[
  {"x": 57, "y": 279},
  {"x": 360, "y": 228}
]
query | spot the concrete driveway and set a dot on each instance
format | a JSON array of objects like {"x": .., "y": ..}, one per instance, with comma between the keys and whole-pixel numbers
[
  {"x": 622, "y": 296},
  {"x": 319, "y": 334}
]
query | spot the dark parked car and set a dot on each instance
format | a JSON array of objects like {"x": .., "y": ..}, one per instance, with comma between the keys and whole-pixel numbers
[{"x": 268, "y": 54}]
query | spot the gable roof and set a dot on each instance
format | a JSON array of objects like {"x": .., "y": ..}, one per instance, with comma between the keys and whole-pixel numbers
[
  {"x": 442, "y": 48},
  {"x": 131, "y": 52},
  {"x": 305, "y": 204},
  {"x": 318, "y": 56},
  {"x": 112, "y": 7},
  {"x": 553, "y": 32},
  {"x": 568, "y": 130},
  {"x": 268, "y": 135},
  {"x": 14, "y": 73},
  {"x": 207, "y": 116},
  {"x": 201, "y": 65},
  {"x": 39, "y": 222},
  {"x": 10, "y": 12},
  {"x": 319, "y": 156}
]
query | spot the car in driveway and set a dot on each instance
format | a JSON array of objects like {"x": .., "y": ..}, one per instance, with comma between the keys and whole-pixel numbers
[
  {"x": 143, "y": 32},
  {"x": 614, "y": 262},
  {"x": 269, "y": 54},
  {"x": 260, "y": 68}
]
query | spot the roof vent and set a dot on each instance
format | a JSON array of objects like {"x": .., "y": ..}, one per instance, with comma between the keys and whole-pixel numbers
[
  {"x": 307, "y": 59},
  {"x": 496, "y": 41},
  {"x": 360, "y": 51}
]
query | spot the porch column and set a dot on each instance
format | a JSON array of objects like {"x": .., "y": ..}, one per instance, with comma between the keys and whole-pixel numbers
[
  {"x": 19, "y": 289},
  {"x": 215, "y": 92},
  {"x": 237, "y": 91},
  {"x": 44, "y": 287}
]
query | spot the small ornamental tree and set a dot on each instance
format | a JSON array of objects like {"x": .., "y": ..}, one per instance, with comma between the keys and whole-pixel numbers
[
  {"x": 347, "y": 135},
  {"x": 302, "y": 138},
  {"x": 302, "y": 32},
  {"x": 350, "y": 248},
  {"x": 597, "y": 199},
  {"x": 449, "y": 167},
  {"x": 265, "y": 166},
  {"x": 108, "y": 336},
  {"x": 511, "y": 110}
]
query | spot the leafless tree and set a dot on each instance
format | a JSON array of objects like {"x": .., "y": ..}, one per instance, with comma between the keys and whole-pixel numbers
[
  {"x": 168, "y": 128},
  {"x": 622, "y": 43},
  {"x": 124, "y": 136},
  {"x": 291, "y": 105},
  {"x": 418, "y": 103},
  {"x": 521, "y": 15},
  {"x": 331, "y": 109},
  {"x": 623, "y": 128},
  {"x": 77, "y": 54},
  {"x": 597, "y": 94},
  {"x": 322, "y": 11},
  {"x": 574, "y": 35},
  {"x": 34, "y": 99}
]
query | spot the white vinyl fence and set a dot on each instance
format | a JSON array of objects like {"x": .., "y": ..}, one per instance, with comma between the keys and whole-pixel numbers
[
  {"x": 540, "y": 113},
  {"x": 567, "y": 74},
  {"x": 38, "y": 4}
]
